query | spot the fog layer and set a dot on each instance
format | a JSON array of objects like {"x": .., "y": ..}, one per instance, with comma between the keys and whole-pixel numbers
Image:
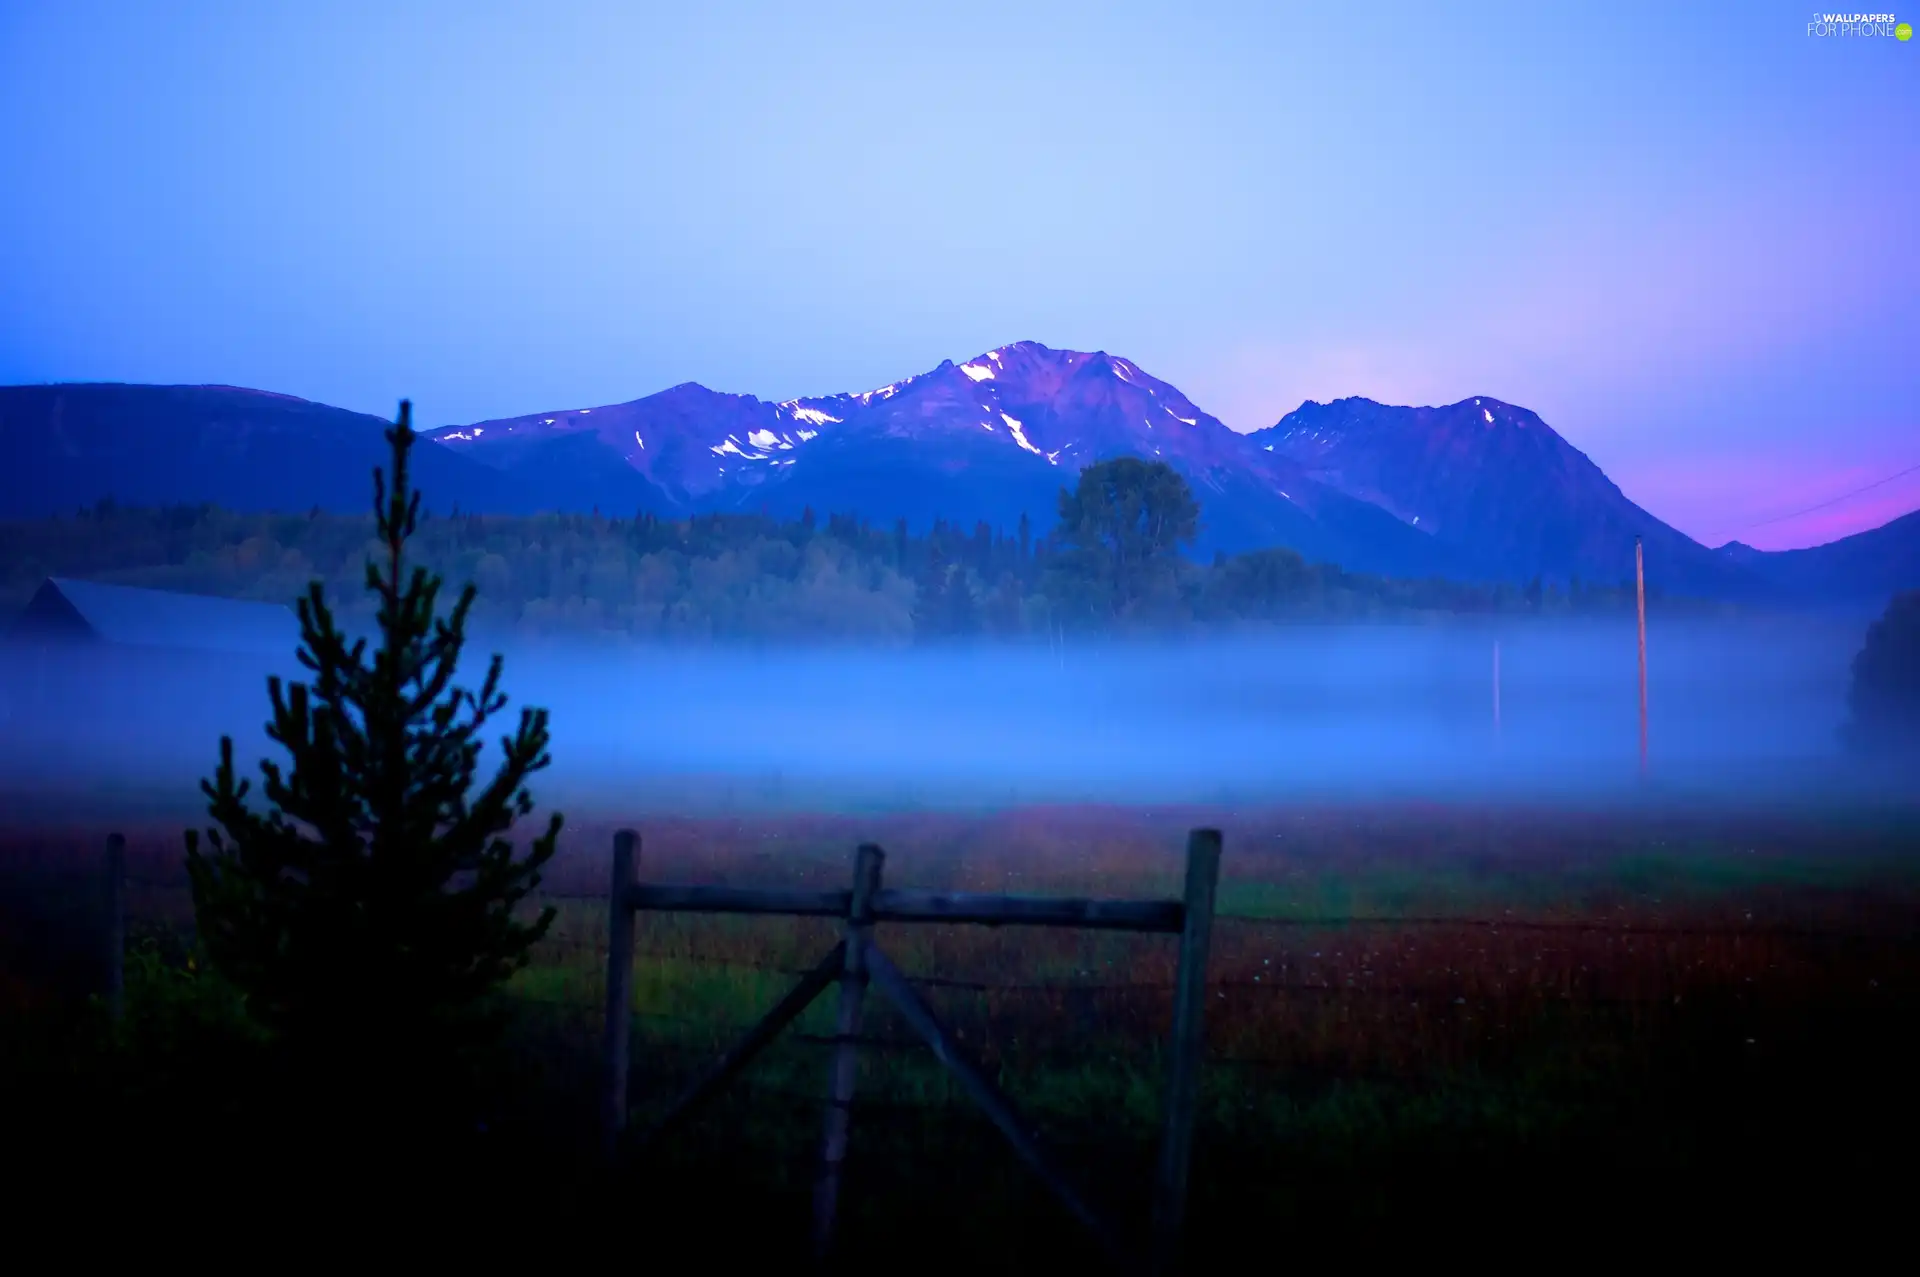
[{"x": 1737, "y": 709}]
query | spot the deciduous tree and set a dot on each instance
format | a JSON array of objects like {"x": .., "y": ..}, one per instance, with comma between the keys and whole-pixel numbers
[{"x": 1123, "y": 525}]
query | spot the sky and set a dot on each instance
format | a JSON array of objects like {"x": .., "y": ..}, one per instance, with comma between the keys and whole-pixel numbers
[{"x": 1687, "y": 235}]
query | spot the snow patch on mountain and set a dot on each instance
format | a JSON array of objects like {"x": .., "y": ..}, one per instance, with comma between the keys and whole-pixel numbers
[
  {"x": 979, "y": 372},
  {"x": 794, "y": 409},
  {"x": 1126, "y": 371},
  {"x": 758, "y": 440},
  {"x": 1020, "y": 435}
]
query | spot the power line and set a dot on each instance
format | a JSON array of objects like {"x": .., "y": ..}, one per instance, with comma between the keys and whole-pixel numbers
[{"x": 1845, "y": 496}]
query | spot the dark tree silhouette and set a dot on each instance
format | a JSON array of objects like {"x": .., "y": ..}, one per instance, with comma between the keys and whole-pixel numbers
[
  {"x": 962, "y": 608},
  {"x": 931, "y": 608},
  {"x": 1885, "y": 696},
  {"x": 372, "y": 905},
  {"x": 648, "y": 577},
  {"x": 1000, "y": 611},
  {"x": 1123, "y": 525},
  {"x": 1263, "y": 584},
  {"x": 980, "y": 553}
]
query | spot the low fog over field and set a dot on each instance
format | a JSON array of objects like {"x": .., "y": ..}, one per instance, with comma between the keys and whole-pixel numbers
[{"x": 1748, "y": 708}]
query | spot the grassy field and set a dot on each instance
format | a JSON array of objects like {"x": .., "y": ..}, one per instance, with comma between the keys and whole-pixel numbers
[{"x": 1426, "y": 1025}]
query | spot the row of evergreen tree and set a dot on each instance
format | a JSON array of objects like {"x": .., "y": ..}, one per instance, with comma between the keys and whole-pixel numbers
[{"x": 1112, "y": 560}]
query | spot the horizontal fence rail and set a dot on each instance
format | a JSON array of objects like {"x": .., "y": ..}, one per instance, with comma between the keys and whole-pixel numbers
[
  {"x": 1163, "y": 916},
  {"x": 804, "y": 904}
]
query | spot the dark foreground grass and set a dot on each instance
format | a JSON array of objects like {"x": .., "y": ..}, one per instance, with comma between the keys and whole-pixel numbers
[{"x": 1441, "y": 1029}]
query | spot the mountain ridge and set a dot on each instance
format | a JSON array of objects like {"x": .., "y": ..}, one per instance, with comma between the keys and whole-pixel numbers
[
  {"x": 990, "y": 437},
  {"x": 1478, "y": 489},
  {"x": 1493, "y": 481}
]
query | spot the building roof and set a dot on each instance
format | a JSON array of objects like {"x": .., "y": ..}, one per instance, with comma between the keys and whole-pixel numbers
[{"x": 129, "y": 616}]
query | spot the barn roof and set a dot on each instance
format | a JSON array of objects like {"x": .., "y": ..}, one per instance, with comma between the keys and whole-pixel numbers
[{"x": 126, "y": 615}]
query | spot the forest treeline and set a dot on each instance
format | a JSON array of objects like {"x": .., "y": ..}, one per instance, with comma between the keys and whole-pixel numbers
[{"x": 1111, "y": 563}]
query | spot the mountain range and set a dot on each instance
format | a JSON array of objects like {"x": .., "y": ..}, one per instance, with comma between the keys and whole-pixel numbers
[{"x": 1480, "y": 489}]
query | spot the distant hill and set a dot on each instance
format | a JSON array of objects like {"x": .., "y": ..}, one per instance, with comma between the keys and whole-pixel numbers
[
  {"x": 69, "y": 446},
  {"x": 1867, "y": 567}
]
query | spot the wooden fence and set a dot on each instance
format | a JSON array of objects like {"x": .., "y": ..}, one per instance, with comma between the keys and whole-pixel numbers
[
  {"x": 857, "y": 962},
  {"x": 866, "y": 905}
]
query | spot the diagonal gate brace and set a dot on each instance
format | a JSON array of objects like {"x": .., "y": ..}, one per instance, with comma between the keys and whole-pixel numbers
[
  {"x": 994, "y": 1102},
  {"x": 811, "y": 986}
]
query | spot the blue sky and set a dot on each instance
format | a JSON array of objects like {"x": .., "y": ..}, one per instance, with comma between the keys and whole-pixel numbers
[{"x": 1687, "y": 235}]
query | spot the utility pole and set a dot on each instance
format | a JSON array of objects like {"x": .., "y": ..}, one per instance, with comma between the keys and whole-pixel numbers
[
  {"x": 1496, "y": 690},
  {"x": 1640, "y": 602}
]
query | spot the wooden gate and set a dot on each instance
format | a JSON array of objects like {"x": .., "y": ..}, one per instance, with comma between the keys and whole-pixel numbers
[{"x": 857, "y": 962}]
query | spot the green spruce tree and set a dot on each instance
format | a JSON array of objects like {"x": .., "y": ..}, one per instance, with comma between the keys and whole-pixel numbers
[
  {"x": 962, "y": 609},
  {"x": 373, "y": 905},
  {"x": 931, "y": 608}
]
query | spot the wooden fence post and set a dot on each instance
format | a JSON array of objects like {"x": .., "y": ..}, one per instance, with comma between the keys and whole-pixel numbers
[
  {"x": 116, "y": 930},
  {"x": 846, "y": 1054},
  {"x": 616, "y": 1059},
  {"x": 1186, "y": 1047}
]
